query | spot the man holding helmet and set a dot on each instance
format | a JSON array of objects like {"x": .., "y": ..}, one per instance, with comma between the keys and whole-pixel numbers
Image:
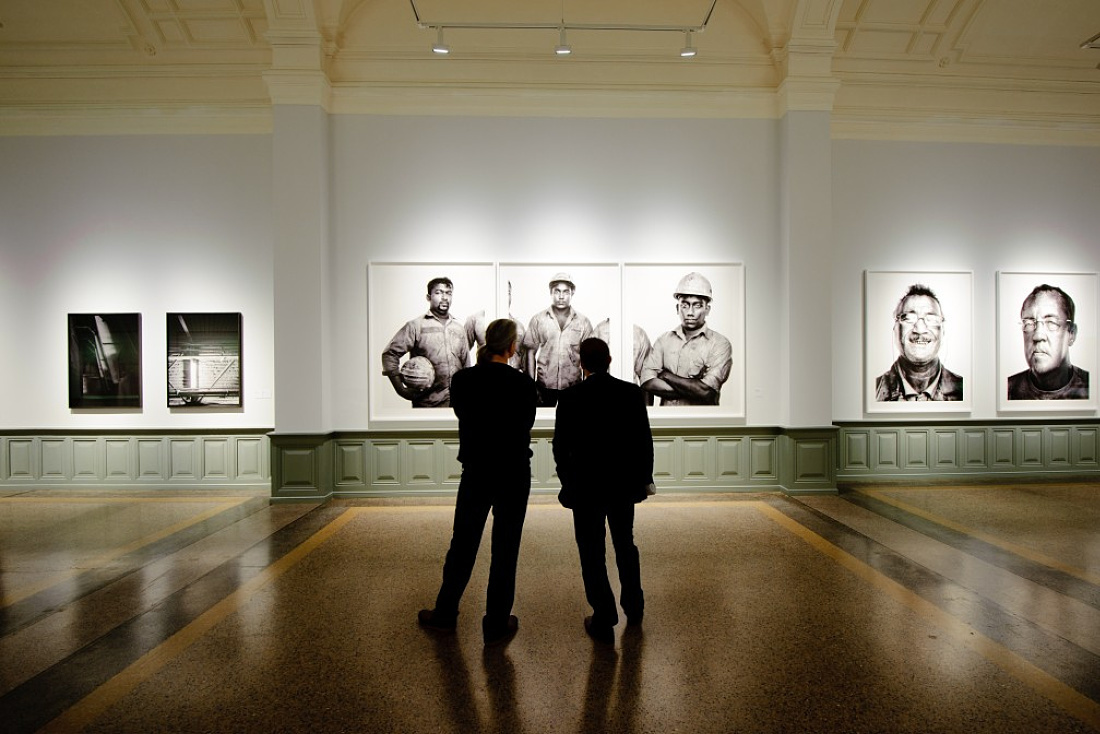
[{"x": 689, "y": 365}]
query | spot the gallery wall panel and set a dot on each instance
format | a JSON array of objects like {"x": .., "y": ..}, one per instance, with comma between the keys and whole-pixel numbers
[
  {"x": 397, "y": 463},
  {"x": 145, "y": 460},
  {"x": 972, "y": 451}
]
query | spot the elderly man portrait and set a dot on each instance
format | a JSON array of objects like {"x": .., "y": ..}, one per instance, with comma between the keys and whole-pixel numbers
[
  {"x": 437, "y": 336},
  {"x": 918, "y": 374},
  {"x": 553, "y": 340},
  {"x": 689, "y": 364},
  {"x": 1049, "y": 330}
]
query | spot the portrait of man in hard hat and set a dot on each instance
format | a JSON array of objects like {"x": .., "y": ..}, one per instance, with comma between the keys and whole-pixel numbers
[
  {"x": 552, "y": 341},
  {"x": 689, "y": 364}
]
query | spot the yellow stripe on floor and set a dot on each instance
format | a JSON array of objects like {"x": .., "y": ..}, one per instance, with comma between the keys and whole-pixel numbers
[{"x": 1045, "y": 684}]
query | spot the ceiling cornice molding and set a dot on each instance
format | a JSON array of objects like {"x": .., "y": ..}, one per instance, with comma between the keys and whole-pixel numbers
[
  {"x": 962, "y": 128},
  {"x": 118, "y": 119},
  {"x": 525, "y": 101}
]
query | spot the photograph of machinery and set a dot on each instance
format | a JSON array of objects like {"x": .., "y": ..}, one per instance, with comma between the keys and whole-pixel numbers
[
  {"x": 204, "y": 359},
  {"x": 105, "y": 360}
]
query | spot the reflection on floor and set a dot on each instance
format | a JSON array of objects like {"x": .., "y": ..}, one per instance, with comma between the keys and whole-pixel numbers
[{"x": 897, "y": 609}]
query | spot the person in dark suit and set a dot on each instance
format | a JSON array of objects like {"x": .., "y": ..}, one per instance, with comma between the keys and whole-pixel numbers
[
  {"x": 495, "y": 405},
  {"x": 603, "y": 449}
]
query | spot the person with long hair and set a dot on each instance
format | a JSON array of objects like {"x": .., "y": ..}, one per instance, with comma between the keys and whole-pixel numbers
[{"x": 495, "y": 406}]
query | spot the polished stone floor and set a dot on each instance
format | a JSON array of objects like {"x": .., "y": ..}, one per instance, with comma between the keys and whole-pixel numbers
[{"x": 892, "y": 609}]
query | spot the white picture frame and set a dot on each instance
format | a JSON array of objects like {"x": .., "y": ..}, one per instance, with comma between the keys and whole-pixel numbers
[
  {"x": 1012, "y": 290},
  {"x": 649, "y": 303},
  {"x": 883, "y": 292}
]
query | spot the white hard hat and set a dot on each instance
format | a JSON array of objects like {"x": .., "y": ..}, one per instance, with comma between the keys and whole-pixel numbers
[{"x": 693, "y": 284}]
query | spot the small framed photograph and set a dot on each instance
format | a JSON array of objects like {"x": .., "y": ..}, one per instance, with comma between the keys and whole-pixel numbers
[
  {"x": 1046, "y": 341},
  {"x": 204, "y": 360},
  {"x": 104, "y": 360},
  {"x": 684, "y": 336},
  {"x": 917, "y": 341}
]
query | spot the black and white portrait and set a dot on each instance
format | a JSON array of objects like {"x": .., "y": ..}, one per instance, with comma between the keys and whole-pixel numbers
[
  {"x": 421, "y": 333},
  {"x": 917, "y": 335},
  {"x": 1047, "y": 344},
  {"x": 105, "y": 360},
  {"x": 557, "y": 307},
  {"x": 204, "y": 359},
  {"x": 685, "y": 336}
]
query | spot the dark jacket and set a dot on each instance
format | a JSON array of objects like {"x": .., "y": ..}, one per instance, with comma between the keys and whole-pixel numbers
[
  {"x": 495, "y": 405},
  {"x": 603, "y": 446}
]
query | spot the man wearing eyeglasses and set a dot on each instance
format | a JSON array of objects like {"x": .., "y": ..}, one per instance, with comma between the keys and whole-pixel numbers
[
  {"x": 1049, "y": 330},
  {"x": 917, "y": 375}
]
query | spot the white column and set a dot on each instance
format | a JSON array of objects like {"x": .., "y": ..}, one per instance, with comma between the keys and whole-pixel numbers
[
  {"x": 300, "y": 195},
  {"x": 806, "y": 231}
]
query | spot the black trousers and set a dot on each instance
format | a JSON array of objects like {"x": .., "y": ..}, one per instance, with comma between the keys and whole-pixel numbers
[
  {"x": 588, "y": 527},
  {"x": 505, "y": 494}
]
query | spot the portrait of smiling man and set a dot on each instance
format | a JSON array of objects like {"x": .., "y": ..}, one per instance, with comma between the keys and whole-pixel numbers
[
  {"x": 1049, "y": 330},
  {"x": 918, "y": 375}
]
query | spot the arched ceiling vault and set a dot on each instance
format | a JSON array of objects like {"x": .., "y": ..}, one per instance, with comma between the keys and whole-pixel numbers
[{"x": 942, "y": 69}]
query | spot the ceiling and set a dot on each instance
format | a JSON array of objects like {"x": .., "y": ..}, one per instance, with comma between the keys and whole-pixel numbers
[{"x": 1003, "y": 70}]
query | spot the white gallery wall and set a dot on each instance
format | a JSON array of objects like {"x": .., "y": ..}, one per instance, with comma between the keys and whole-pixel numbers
[
  {"x": 978, "y": 208},
  {"x": 146, "y": 224},
  {"x": 153, "y": 224},
  {"x": 552, "y": 191}
]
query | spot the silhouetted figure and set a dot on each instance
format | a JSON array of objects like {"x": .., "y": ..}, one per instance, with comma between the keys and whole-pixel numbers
[
  {"x": 495, "y": 405},
  {"x": 603, "y": 448}
]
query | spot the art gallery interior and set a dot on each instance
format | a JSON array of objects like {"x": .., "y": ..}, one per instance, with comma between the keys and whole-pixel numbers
[{"x": 817, "y": 560}]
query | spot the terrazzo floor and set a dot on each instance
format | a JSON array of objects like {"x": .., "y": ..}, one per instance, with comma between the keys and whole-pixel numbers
[{"x": 889, "y": 609}]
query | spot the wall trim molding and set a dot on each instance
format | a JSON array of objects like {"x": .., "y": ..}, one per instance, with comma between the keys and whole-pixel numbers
[
  {"x": 350, "y": 464},
  {"x": 968, "y": 451},
  {"x": 135, "y": 458}
]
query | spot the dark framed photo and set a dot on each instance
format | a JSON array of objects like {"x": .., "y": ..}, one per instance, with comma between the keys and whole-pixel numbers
[
  {"x": 204, "y": 360},
  {"x": 1046, "y": 341},
  {"x": 104, "y": 360},
  {"x": 917, "y": 335}
]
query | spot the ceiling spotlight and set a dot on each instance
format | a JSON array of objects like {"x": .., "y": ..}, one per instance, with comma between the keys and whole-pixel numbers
[
  {"x": 688, "y": 51},
  {"x": 439, "y": 47},
  {"x": 563, "y": 48}
]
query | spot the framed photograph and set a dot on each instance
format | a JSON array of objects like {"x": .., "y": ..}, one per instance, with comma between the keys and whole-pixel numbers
[
  {"x": 105, "y": 360},
  {"x": 917, "y": 336},
  {"x": 1046, "y": 341},
  {"x": 204, "y": 360},
  {"x": 422, "y": 328},
  {"x": 558, "y": 305},
  {"x": 683, "y": 337}
]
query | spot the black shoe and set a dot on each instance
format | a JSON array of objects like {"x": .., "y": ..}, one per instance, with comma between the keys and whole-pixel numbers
[
  {"x": 499, "y": 635},
  {"x": 599, "y": 633},
  {"x": 429, "y": 619}
]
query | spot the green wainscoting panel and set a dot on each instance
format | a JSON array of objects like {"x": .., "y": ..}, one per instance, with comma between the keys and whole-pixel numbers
[
  {"x": 149, "y": 459},
  {"x": 425, "y": 462},
  {"x": 995, "y": 450}
]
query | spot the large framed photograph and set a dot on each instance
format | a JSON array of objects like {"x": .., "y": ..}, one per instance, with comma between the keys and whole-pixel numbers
[
  {"x": 204, "y": 360},
  {"x": 557, "y": 306},
  {"x": 683, "y": 337},
  {"x": 104, "y": 360},
  {"x": 1046, "y": 341},
  {"x": 917, "y": 334},
  {"x": 422, "y": 321}
]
